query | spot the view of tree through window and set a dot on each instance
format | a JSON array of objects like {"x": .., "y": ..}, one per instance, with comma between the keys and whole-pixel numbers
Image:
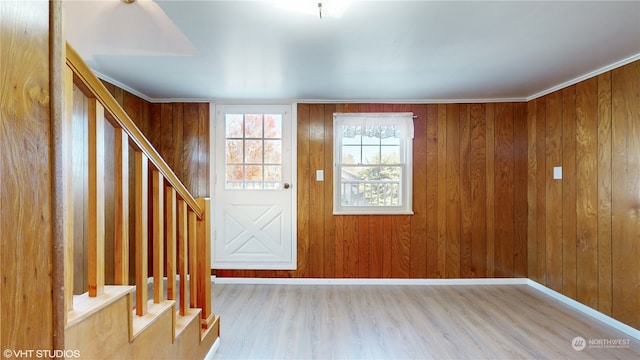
[
  {"x": 253, "y": 151},
  {"x": 372, "y": 153}
]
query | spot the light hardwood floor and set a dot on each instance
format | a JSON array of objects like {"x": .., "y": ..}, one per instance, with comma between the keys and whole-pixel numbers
[{"x": 405, "y": 322}]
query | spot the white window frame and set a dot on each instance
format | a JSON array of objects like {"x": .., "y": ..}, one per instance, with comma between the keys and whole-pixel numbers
[{"x": 402, "y": 120}]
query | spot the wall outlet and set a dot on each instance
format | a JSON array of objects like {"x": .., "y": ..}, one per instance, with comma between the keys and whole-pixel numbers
[{"x": 319, "y": 175}]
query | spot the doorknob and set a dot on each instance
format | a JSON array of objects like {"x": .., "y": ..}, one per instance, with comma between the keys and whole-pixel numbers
[{"x": 286, "y": 185}]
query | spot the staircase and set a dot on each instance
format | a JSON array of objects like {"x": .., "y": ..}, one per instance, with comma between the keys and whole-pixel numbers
[{"x": 157, "y": 233}]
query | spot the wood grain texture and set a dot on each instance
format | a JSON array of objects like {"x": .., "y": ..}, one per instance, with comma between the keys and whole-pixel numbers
[
  {"x": 553, "y": 207},
  {"x": 491, "y": 190},
  {"x": 465, "y": 192},
  {"x": 400, "y": 322},
  {"x": 121, "y": 175},
  {"x": 183, "y": 256},
  {"x": 520, "y": 221},
  {"x": 541, "y": 181},
  {"x": 171, "y": 240},
  {"x": 586, "y": 202},
  {"x": 64, "y": 177},
  {"x": 589, "y": 244},
  {"x": 478, "y": 159},
  {"x": 569, "y": 117},
  {"x": 80, "y": 190},
  {"x": 96, "y": 198},
  {"x": 625, "y": 119},
  {"x": 504, "y": 190},
  {"x": 452, "y": 231},
  {"x": 26, "y": 239},
  {"x": 452, "y": 260},
  {"x": 141, "y": 230},
  {"x": 604, "y": 193},
  {"x": 431, "y": 163},
  {"x": 158, "y": 213},
  {"x": 532, "y": 192}
]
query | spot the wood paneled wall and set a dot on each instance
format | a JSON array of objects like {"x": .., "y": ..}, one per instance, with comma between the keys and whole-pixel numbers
[
  {"x": 469, "y": 198},
  {"x": 178, "y": 131},
  {"x": 26, "y": 190},
  {"x": 584, "y": 230}
]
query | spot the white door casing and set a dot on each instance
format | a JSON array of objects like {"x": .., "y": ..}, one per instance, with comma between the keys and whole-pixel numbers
[{"x": 254, "y": 202}]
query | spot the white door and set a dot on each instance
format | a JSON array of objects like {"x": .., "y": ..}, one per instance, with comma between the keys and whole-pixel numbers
[{"x": 254, "y": 199}]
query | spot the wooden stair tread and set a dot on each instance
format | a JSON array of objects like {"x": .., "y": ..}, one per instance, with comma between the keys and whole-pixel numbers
[{"x": 85, "y": 306}]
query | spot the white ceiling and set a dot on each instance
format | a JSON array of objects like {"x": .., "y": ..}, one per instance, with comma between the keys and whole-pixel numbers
[{"x": 413, "y": 51}]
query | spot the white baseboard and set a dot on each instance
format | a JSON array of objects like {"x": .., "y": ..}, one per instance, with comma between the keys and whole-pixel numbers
[
  {"x": 332, "y": 281},
  {"x": 435, "y": 282},
  {"x": 586, "y": 310}
]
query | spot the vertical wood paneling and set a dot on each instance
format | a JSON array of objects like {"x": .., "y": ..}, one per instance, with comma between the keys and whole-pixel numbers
[
  {"x": 166, "y": 146},
  {"x": 541, "y": 176},
  {"x": 590, "y": 244},
  {"x": 604, "y": 193},
  {"x": 190, "y": 156},
  {"x": 330, "y": 252},
  {"x": 418, "y": 249},
  {"x": 178, "y": 139},
  {"x": 569, "y": 191},
  {"x": 465, "y": 192},
  {"x": 553, "y": 191},
  {"x": 586, "y": 202},
  {"x": 504, "y": 191},
  {"x": 26, "y": 238},
  {"x": 520, "y": 251},
  {"x": 316, "y": 190},
  {"x": 478, "y": 190},
  {"x": 532, "y": 192},
  {"x": 452, "y": 266},
  {"x": 303, "y": 183},
  {"x": 490, "y": 171},
  {"x": 203, "y": 152},
  {"x": 625, "y": 119},
  {"x": 432, "y": 190},
  {"x": 351, "y": 251}
]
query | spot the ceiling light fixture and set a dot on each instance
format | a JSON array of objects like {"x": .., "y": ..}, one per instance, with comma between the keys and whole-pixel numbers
[
  {"x": 324, "y": 8},
  {"x": 128, "y": 1}
]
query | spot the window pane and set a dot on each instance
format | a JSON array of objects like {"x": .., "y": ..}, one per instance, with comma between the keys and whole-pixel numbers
[
  {"x": 233, "y": 152},
  {"x": 351, "y": 155},
  {"x": 253, "y": 177},
  {"x": 253, "y": 152},
  {"x": 390, "y": 154},
  {"x": 273, "y": 151},
  {"x": 371, "y": 154},
  {"x": 273, "y": 126},
  {"x": 370, "y": 186},
  {"x": 233, "y": 125},
  {"x": 234, "y": 177},
  {"x": 273, "y": 173},
  {"x": 253, "y": 126}
]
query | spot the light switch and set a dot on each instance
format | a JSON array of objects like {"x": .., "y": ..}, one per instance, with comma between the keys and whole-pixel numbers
[
  {"x": 319, "y": 175},
  {"x": 557, "y": 172}
]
